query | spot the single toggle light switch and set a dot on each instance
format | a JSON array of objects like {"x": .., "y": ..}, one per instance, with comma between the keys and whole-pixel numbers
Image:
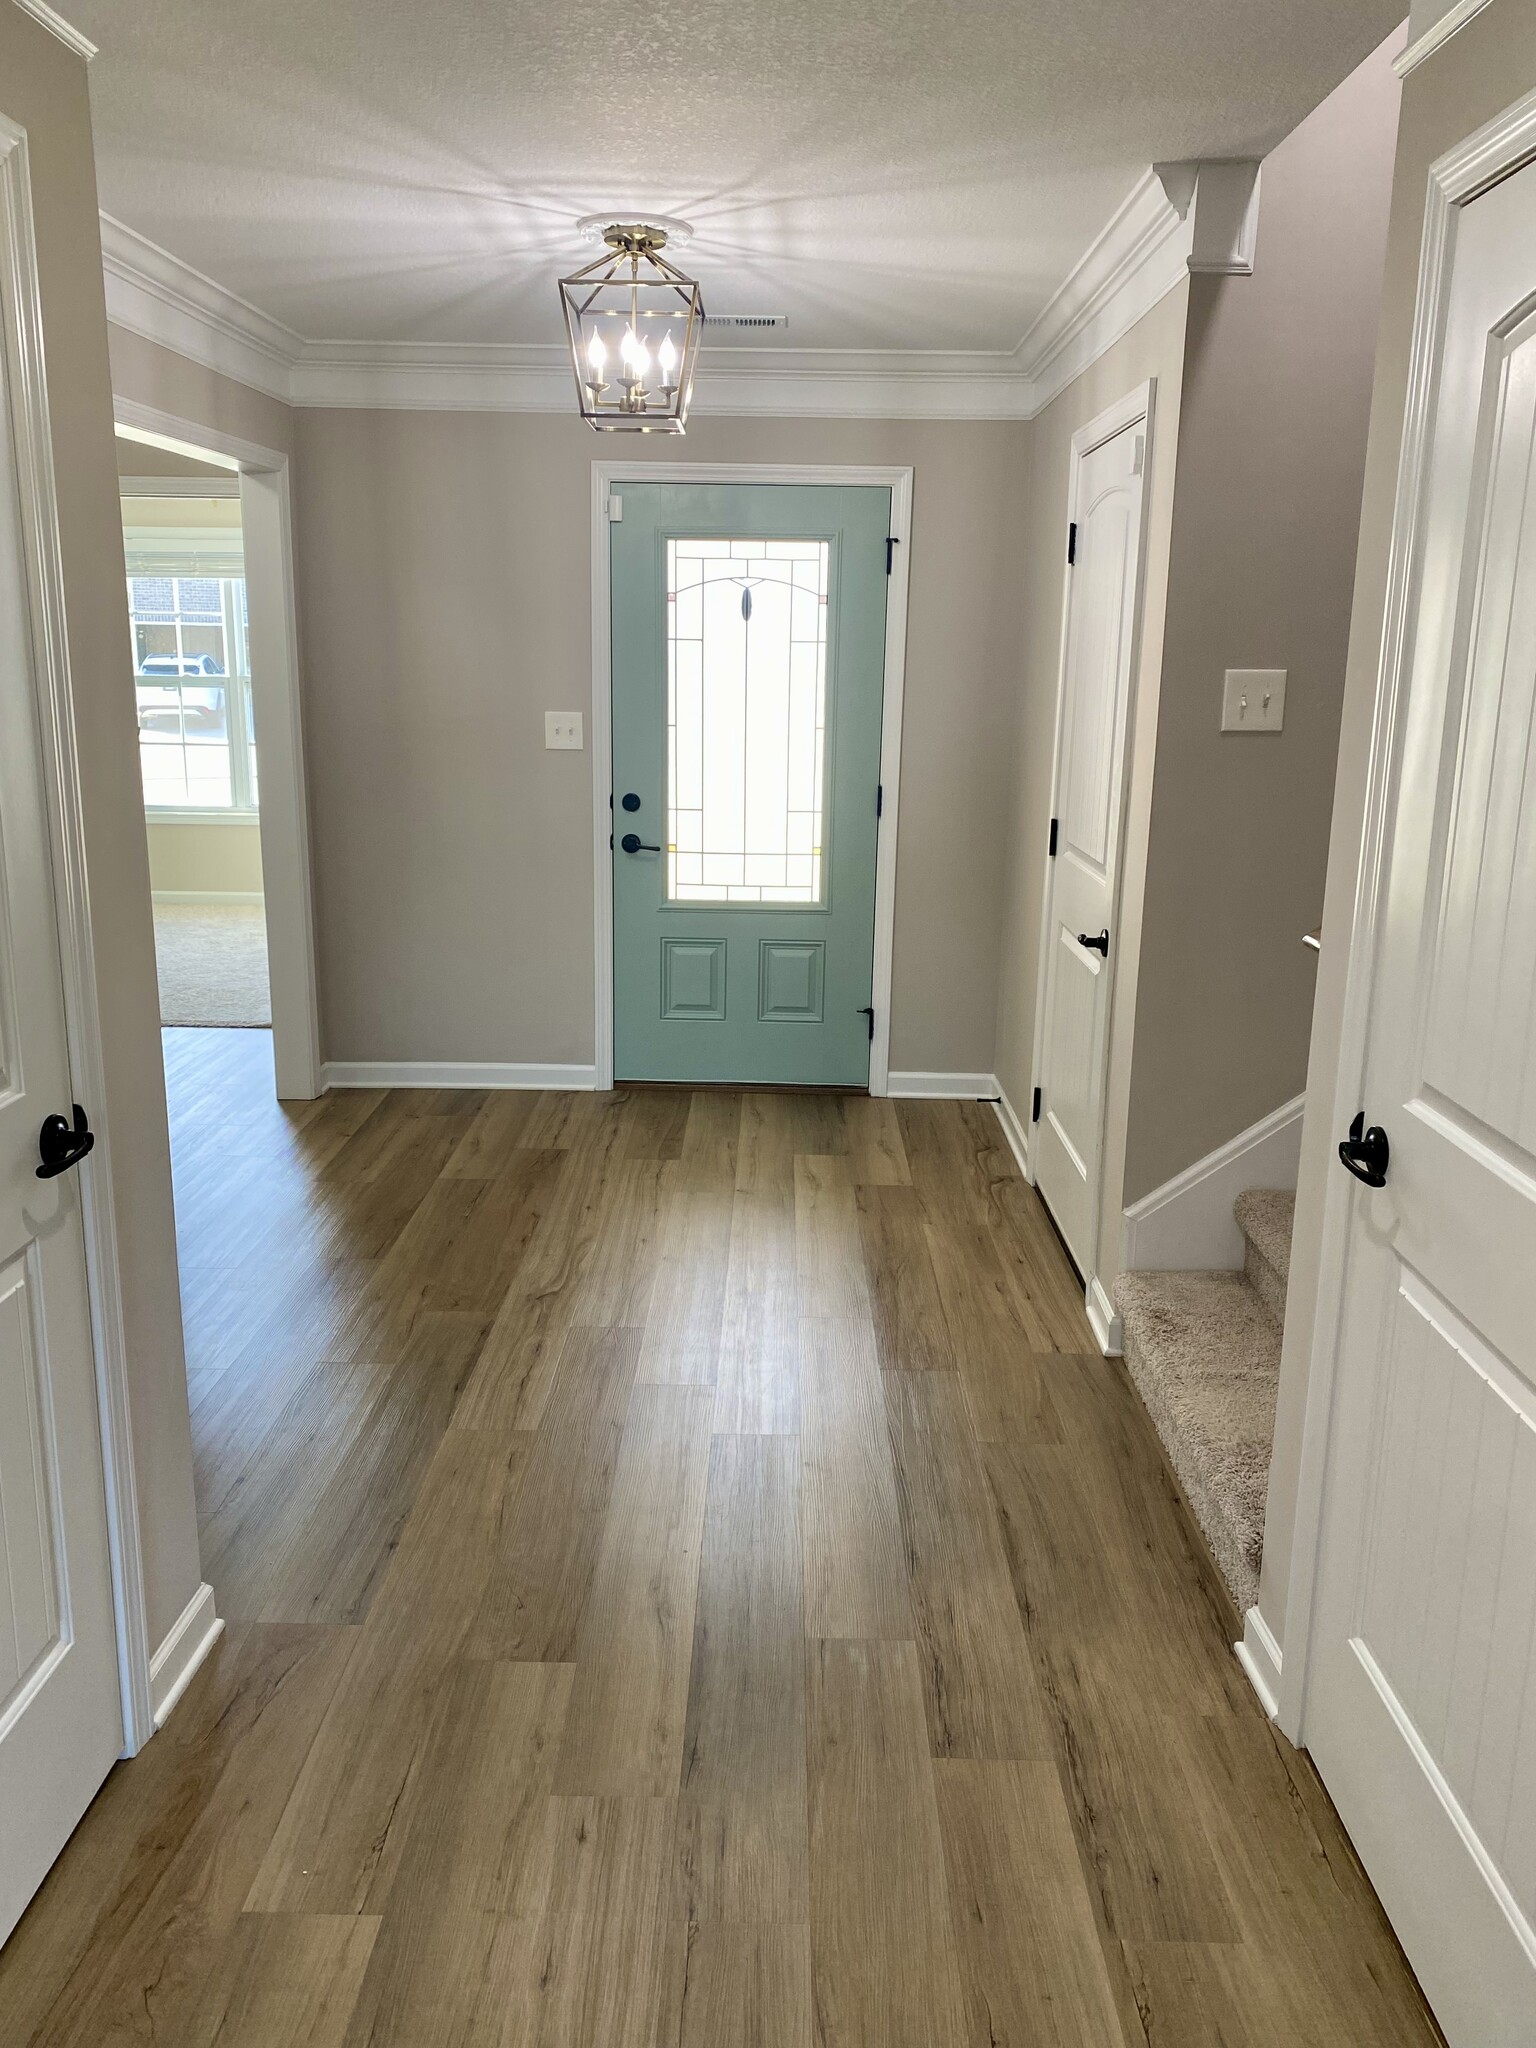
[{"x": 1253, "y": 700}]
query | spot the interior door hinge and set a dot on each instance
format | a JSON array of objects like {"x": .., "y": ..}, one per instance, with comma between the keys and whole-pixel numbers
[
  {"x": 1051, "y": 849},
  {"x": 1034, "y": 1112},
  {"x": 891, "y": 544},
  {"x": 1071, "y": 542},
  {"x": 615, "y": 506},
  {"x": 879, "y": 799},
  {"x": 869, "y": 1013}
]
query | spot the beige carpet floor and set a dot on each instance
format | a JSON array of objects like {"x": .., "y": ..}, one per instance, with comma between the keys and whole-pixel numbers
[{"x": 212, "y": 961}]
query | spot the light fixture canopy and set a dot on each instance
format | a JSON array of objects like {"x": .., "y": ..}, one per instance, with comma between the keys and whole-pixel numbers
[{"x": 634, "y": 321}]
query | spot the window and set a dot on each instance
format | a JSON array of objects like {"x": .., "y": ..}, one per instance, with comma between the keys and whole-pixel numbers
[
  {"x": 192, "y": 669},
  {"x": 746, "y": 720}
]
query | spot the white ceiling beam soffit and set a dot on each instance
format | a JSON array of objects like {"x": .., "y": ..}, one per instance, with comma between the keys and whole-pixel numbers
[{"x": 1178, "y": 218}]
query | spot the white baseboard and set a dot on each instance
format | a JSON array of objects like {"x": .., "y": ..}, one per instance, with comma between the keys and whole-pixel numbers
[
  {"x": 1259, "y": 1655},
  {"x": 1104, "y": 1317},
  {"x": 452, "y": 1074},
  {"x": 944, "y": 1087},
  {"x": 192, "y": 1636},
  {"x": 1016, "y": 1131},
  {"x": 1187, "y": 1224},
  {"x": 208, "y": 896}
]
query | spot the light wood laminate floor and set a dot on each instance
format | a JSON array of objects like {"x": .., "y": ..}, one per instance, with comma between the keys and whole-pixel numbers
[{"x": 690, "y": 1583}]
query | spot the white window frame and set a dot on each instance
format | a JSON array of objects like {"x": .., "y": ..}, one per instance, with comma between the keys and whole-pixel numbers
[{"x": 237, "y": 681}]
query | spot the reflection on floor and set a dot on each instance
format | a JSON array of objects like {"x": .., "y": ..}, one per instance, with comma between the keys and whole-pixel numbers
[
  {"x": 690, "y": 1582},
  {"x": 211, "y": 959}
]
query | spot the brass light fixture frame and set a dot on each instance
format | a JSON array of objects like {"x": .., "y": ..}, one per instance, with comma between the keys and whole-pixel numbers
[{"x": 633, "y": 283}]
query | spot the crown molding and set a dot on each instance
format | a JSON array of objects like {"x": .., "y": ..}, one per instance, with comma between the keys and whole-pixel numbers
[
  {"x": 1437, "y": 34},
  {"x": 741, "y": 382},
  {"x": 1163, "y": 230},
  {"x": 1139, "y": 257},
  {"x": 56, "y": 25},
  {"x": 156, "y": 295}
]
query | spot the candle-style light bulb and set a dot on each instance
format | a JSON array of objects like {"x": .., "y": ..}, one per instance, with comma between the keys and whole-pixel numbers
[
  {"x": 597, "y": 356},
  {"x": 666, "y": 362}
]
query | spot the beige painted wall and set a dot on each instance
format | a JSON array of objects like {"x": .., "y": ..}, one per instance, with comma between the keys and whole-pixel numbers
[
  {"x": 1154, "y": 347},
  {"x": 141, "y": 458},
  {"x": 219, "y": 858},
  {"x": 43, "y": 88},
  {"x": 444, "y": 588},
  {"x": 1466, "y": 83},
  {"x": 151, "y": 375},
  {"x": 1276, "y": 399}
]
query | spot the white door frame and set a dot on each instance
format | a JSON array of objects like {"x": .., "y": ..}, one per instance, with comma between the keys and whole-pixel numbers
[
  {"x": 23, "y": 341},
  {"x": 899, "y": 482},
  {"x": 1455, "y": 179},
  {"x": 267, "y": 526},
  {"x": 1138, "y": 404}
]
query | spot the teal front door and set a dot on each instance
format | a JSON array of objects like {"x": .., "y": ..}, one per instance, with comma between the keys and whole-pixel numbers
[{"x": 748, "y": 666}]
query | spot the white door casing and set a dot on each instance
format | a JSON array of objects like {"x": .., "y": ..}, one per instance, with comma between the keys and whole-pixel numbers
[
  {"x": 61, "y": 1718},
  {"x": 1099, "y": 643},
  {"x": 1420, "y": 1683}
]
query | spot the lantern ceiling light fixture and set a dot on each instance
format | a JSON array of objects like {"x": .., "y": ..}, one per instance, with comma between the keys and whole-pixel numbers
[{"x": 634, "y": 321}]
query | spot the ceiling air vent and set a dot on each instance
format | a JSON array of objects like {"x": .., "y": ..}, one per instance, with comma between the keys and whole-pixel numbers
[{"x": 743, "y": 320}]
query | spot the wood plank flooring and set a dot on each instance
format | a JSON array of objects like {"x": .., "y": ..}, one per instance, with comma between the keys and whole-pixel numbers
[{"x": 691, "y": 1584}]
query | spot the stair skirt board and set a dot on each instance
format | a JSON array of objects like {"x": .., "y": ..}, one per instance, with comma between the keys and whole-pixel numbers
[{"x": 1187, "y": 1224}]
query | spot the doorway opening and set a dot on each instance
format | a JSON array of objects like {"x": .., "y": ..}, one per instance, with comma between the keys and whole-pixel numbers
[
  {"x": 207, "y": 542},
  {"x": 184, "y": 552}
]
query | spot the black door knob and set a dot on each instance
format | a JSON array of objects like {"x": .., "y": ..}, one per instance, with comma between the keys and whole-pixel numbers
[
  {"x": 633, "y": 843},
  {"x": 61, "y": 1145},
  {"x": 1366, "y": 1152},
  {"x": 1098, "y": 945}
]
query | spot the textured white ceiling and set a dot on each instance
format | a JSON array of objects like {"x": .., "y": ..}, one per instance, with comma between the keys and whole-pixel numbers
[{"x": 910, "y": 174}]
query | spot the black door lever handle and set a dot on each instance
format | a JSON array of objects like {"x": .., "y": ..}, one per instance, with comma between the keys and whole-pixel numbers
[
  {"x": 633, "y": 843},
  {"x": 1098, "y": 945},
  {"x": 1366, "y": 1152},
  {"x": 60, "y": 1145}
]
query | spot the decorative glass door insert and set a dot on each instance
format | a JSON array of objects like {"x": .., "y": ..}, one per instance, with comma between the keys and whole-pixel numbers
[{"x": 746, "y": 719}]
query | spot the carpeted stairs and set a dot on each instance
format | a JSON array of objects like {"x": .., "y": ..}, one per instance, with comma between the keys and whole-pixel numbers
[{"x": 1204, "y": 1352}]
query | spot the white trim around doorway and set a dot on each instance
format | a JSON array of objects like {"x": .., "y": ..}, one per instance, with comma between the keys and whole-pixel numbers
[
  {"x": 1138, "y": 404},
  {"x": 267, "y": 523},
  {"x": 899, "y": 482}
]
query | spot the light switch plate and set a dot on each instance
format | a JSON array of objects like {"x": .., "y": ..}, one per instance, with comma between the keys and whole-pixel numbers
[
  {"x": 563, "y": 729},
  {"x": 1253, "y": 700}
]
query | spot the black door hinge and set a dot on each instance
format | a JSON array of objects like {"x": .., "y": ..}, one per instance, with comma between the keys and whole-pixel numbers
[
  {"x": 1071, "y": 543},
  {"x": 1034, "y": 1111},
  {"x": 879, "y": 799},
  {"x": 869, "y": 1013},
  {"x": 1051, "y": 849},
  {"x": 891, "y": 544}
]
